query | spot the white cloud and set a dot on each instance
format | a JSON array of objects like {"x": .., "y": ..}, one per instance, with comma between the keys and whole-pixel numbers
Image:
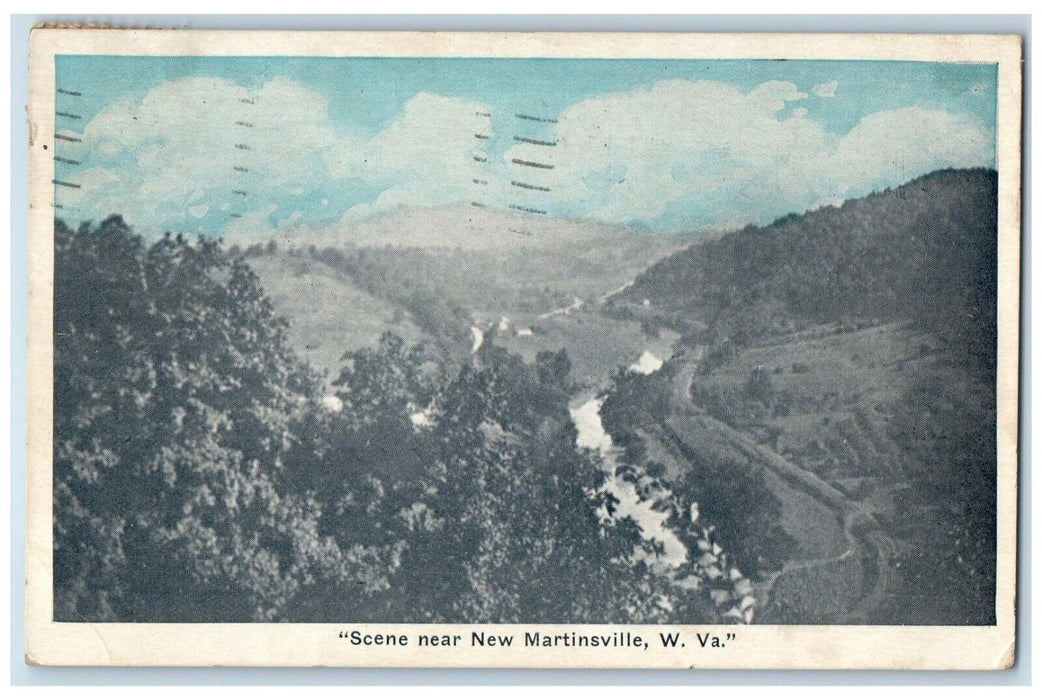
[
  {"x": 434, "y": 135},
  {"x": 628, "y": 156},
  {"x": 826, "y": 90},
  {"x": 774, "y": 94},
  {"x": 703, "y": 154},
  {"x": 245, "y": 149},
  {"x": 895, "y": 146},
  {"x": 425, "y": 157},
  {"x": 679, "y": 154},
  {"x": 158, "y": 156}
]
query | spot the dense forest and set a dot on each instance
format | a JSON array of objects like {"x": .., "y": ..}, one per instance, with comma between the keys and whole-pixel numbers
[
  {"x": 925, "y": 250},
  {"x": 202, "y": 472},
  {"x": 858, "y": 342}
]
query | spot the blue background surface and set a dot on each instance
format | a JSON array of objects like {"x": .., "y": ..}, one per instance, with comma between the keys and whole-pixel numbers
[{"x": 26, "y": 675}]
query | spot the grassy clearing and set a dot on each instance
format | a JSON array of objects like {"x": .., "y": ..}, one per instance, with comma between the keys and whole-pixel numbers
[
  {"x": 596, "y": 345},
  {"x": 816, "y": 594},
  {"x": 825, "y": 400},
  {"x": 328, "y": 315},
  {"x": 814, "y": 526},
  {"x": 893, "y": 419}
]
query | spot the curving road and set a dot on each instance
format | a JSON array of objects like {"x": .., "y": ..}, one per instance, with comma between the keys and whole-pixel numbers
[{"x": 866, "y": 538}]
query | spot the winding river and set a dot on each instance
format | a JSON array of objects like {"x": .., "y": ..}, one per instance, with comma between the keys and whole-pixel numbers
[
  {"x": 730, "y": 591},
  {"x": 593, "y": 436}
]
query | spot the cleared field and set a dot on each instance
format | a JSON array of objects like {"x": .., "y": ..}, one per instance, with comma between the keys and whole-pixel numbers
[
  {"x": 814, "y": 593},
  {"x": 882, "y": 415},
  {"x": 825, "y": 399},
  {"x": 328, "y": 315},
  {"x": 815, "y": 527},
  {"x": 597, "y": 346}
]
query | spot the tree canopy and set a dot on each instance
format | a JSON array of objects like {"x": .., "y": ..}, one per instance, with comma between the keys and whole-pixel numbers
[{"x": 202, "y": 472}]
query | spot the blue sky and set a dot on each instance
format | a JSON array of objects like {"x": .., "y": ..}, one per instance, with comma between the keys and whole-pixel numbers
[{"x": 247, "y": 146}]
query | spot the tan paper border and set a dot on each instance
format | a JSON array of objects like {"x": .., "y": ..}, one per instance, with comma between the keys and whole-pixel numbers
[{"x": 768, "y": 647}]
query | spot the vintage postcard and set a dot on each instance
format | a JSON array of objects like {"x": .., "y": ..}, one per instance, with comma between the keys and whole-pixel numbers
[{"x": 523, "y": 350}]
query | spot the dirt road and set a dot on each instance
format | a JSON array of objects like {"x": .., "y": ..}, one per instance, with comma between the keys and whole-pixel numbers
[{"x": 866, "y": 542}]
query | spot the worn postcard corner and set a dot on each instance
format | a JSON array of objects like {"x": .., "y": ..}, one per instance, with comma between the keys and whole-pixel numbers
[{"x": 523, "y": 350}]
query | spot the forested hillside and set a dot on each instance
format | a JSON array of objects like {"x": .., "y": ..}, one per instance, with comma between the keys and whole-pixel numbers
[
  {"x": 858, "y": 344},
  {"x": 924, "y": 251},
  {"x": 439, "y": 292},
  {"x": 203, "y": 473}
]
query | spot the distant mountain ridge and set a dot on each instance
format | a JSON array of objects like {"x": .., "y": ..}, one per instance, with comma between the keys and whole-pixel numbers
[
  {"x": 926, "y": 250},
  {"x": 461, "y": 226},
  {"x": 435, "y": 273}
]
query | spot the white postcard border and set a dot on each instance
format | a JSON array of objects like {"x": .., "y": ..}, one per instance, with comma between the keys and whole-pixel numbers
[{"x": 764, "y": 647}]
